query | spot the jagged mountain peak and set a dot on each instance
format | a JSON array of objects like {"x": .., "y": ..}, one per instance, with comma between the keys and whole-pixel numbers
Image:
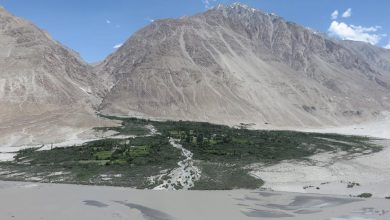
[
  {"x": 236, "y": 5},
  {"x": 233, "y": 64},
  {"x": 241, "y": 8}
]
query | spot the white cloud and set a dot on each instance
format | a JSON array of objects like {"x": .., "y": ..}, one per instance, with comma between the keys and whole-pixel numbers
[
  {"x": 108, "y": 21},
  {"x": 117, "y": 46},
  {"x": 335, "y": 15},
  {"x": 208, "y": 3},
  {"x": 356, "y": 33},
  {"x": 387, "y": 46},
  {"x": 347, "y": 13}
]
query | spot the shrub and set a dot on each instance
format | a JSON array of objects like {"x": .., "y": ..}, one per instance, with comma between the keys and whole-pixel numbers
[{"x": 365, "y": 195}]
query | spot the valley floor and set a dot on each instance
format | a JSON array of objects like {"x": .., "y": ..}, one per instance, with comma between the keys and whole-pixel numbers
[
  {"x": 191, "y": 155},
  {"x": 33, "y": 201},
  {"x": 332, "y": 174},
  {"x": 379, "y": 128}
]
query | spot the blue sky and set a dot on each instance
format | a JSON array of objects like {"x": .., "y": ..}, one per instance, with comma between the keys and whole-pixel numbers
[{"x": 94, "y": 27}]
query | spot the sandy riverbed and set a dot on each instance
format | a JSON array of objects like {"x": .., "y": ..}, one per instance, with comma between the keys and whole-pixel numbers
[
  {"x": 328, "y": 174},
  {"x": 31, "y": 201},
  {"x": 379, "y": 128}
]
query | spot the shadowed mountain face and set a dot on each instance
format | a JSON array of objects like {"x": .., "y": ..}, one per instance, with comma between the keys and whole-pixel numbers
[{"x": 237, "y": 64}]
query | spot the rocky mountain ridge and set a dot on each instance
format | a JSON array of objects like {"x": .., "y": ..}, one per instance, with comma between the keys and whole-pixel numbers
[
  {"x": 236, "y": 64},
  {"x": 229, "y": 65}
]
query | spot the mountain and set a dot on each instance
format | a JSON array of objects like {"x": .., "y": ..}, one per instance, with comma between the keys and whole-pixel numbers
[
  {"x": 378, "y": 58},
  {"x": 236, "y": 64},
  {"x": 230, "y": 65},
  {"x": 45, "y": 88}
]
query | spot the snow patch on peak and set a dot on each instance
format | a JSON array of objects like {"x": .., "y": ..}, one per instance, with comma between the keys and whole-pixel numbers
[
  {"x": 246, "y": 7},
  {"x": 240, "y": 5}
]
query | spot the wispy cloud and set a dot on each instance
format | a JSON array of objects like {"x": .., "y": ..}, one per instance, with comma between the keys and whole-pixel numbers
[
  {"x": 114, "y": 24},
  {"x": 117, "y": 46},
  {"x": 356, "y": 33},
  {"x": 347, "y": 13},
  {"x": 335, "y": 15}
]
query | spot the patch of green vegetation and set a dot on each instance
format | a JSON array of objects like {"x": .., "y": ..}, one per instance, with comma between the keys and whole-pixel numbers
[
  {"x": 218, "y": 143},
  {"x": 134, "y": 159},
  {"x": 221, "y": 152},
  {"x": 103, "y": 155}
]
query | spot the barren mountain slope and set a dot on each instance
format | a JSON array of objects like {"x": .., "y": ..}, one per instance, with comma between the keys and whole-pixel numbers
[
  {"x": 43, "y": 86},
  {"x": 236, "y": 64},
  {"x": 378, "y": 58}
]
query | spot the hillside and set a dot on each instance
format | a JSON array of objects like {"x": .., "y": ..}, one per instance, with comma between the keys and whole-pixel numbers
[
  {"x": 47, "y": 92},
  {"x": 236, "y": 64}
]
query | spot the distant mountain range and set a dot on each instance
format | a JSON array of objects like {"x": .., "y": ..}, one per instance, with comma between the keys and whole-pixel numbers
[{"x": 232, "y": 64}]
